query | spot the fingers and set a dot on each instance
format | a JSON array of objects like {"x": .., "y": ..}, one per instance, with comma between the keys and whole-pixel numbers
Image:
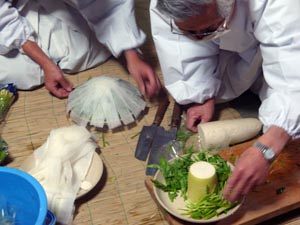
[
  {"x": 66, "y": 84},
  {"x": 192, "y": 123},
  {"x": 194, "y": 117},
  {"x": 60, "y": 89},
  {"x": 245, "y": 176},
  {"x": 236, "y": 188},
  {"x": 151, "y": 85}
]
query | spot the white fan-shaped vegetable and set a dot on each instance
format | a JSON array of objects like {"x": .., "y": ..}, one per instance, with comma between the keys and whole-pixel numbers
[{"x": 105, "y": 100}]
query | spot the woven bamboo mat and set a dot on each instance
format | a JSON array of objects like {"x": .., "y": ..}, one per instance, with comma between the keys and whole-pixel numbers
[{"x": 120, "y": 197}]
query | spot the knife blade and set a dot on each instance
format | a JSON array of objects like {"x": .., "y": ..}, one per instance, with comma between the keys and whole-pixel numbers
[
  {"x": 148, "y": 132},
  {"x": 163, "y": 137}
]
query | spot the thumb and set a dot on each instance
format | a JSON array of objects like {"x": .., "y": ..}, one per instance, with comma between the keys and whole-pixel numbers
[{"x": 66, "y": 84}]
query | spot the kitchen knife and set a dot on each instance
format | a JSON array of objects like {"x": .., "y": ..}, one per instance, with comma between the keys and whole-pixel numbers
[
  {"x": 163, "y": 137},
  {"x": 148, "y": 132}
]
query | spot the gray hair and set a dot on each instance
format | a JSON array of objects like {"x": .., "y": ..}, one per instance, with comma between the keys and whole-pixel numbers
[{"x": 180, "y": 10}]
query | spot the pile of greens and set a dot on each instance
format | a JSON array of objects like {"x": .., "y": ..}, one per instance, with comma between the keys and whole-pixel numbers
[
  {"x": 7, "y": 96},
  {"x": 175, "y": 174},
  {"x": 3, "y": 150}
]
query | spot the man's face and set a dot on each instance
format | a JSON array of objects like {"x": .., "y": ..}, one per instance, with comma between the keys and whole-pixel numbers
[{"x": 207, "y": 26}]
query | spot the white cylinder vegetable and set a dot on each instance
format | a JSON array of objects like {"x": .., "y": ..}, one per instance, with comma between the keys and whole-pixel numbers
[
  {"x": 220, "y": 134},
  {"x": 202, "y": 179}
]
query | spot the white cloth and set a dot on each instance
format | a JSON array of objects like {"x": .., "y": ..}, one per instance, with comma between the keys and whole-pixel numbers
[
  {"x": 75, "y": 35},
  {"x": 264, "y": 43},
  {"x": 61, "y": 165}
]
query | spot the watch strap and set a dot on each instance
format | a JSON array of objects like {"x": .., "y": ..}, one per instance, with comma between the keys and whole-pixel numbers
[{"x": 264, "y": 149}]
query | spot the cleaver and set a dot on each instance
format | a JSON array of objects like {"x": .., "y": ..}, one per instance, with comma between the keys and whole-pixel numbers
[
  {"x": 148, "y": 132},
  {"x": 163, "y": 137}
]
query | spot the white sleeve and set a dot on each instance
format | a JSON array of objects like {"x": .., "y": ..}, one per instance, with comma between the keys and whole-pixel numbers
[
  {"x": 114, "y": 24},
  {"x": 277, "y": 27},
  {"x": 189, "y": 68},
  {"x": 14, "y": 29}
]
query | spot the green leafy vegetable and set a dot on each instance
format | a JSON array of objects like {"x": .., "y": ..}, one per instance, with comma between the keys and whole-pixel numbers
[
  {"x": 209, "y": 206},
  {"x": 7, "y": 95},
  {"x": 175, "y": 174},
  {"x": 183, "y": 134},
  {"x": 3, "y": 150}
]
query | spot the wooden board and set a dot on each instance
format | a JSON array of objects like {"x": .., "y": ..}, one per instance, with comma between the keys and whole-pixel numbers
[{"x": 263, "y": 203}]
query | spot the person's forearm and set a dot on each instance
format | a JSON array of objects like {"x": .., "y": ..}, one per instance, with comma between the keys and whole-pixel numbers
[
  {"x": 36, "y": 54},
  {"x": 276, "y": 138}
]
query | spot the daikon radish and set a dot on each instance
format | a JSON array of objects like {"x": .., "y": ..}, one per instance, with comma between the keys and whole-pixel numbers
[
  {"x": 202, "y": 179},
  {"x": 105, "y": 100},
  {"x": 221, "y": 134}
]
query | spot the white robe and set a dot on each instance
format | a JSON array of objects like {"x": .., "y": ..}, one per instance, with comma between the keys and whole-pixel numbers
[
  {"x": 76, "y": 35},
  {"x": 263, "y": 44}
]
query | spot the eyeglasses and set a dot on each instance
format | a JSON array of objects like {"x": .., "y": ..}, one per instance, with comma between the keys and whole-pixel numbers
[{"x": 202, "y": 35}]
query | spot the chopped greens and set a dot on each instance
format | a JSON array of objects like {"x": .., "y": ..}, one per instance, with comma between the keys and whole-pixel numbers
[
  {"x": 175, "y": 174},
  {"x": 280, "y": 190},
  {"x": 104, "y": 142},
  {"x": 135, "y": 135},
  {"x": 183, "y": 134},
  {"x": 209, "y": 206}
]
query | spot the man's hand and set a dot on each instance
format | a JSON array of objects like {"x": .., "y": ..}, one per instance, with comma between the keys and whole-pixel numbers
[
  {"x": 146, "y": 79},
  {"x": 55, "y": 81},
  {"x": 252, "y": 168},
  {"x": 199, "y": 113},
  {"x": 249, "y": 171}
]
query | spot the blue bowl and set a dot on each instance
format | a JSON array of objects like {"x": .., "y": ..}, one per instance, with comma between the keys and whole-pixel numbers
[{"x": 22, "y": 197}]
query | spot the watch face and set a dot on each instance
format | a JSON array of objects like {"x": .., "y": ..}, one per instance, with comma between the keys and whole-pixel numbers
[{"x": 269, "y": 154}]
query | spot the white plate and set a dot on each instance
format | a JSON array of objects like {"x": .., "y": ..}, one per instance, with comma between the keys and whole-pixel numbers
[
  {"x": 175, "y": 207},
  {"x": 93, "y": 175}
]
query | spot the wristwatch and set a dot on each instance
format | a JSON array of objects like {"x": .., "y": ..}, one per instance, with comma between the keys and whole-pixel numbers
[{"x": 267, "y": 152}]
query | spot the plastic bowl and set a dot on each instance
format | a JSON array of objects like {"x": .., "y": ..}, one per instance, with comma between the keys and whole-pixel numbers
[{"x": 22, "y": 198}]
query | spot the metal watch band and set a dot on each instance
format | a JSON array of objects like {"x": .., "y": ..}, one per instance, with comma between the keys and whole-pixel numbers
[{"x": 267, "y": 152}]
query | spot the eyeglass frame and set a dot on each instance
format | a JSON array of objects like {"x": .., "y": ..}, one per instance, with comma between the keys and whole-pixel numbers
[{"x": 221, "y": 30}]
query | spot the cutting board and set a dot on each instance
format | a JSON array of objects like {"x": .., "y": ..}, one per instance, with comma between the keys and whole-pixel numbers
[{"x": 264, "y": 202}]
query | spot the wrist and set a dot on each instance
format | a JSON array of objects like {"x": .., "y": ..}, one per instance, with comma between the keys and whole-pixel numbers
[
  {"x": 275, "y": 138},
  {"x": 267, "y": 152},
  {"x": 133, "y": 54}
]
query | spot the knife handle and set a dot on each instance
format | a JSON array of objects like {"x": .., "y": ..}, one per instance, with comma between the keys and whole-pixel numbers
[
  {"x": 176, "y": 115},
  {"x": 161, "y": 110}
]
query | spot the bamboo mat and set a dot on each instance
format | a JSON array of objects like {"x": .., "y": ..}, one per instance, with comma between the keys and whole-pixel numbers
[{"x": 120, "y": 197}]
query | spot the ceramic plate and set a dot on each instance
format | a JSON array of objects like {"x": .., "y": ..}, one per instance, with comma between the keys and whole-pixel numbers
[
  {"x": 175, "y": 207},
  {"x": 93, "y": 175}
]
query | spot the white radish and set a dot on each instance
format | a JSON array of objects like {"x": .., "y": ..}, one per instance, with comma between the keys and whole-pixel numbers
[
  {"x": 202, "y": 178},
  {"x": 105, "y": 100},
  {"x": 221, "y": 134}
]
